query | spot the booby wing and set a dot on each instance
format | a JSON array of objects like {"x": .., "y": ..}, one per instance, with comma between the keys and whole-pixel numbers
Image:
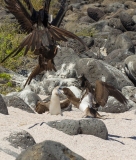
[{"x": 103, "y": 90}]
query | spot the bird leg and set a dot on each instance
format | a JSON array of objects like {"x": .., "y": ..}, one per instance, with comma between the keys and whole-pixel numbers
[{"x": 87, "y": 113}]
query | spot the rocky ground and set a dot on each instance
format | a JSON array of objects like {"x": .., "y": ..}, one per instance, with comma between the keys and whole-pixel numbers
[
  {"x": 120, "y": 145},
  {"x": 108, "y": 27}
]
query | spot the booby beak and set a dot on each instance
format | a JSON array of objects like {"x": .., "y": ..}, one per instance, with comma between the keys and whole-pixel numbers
[{"x": 60, "y": 90}]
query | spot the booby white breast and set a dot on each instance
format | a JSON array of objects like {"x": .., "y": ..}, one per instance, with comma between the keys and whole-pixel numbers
[{"x": 86, "y": 102}]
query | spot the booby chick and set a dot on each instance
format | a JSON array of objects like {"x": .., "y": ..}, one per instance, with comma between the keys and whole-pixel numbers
[
  {"x": 54, "y": 107},
  {"x": 84, "y": 104},
  {"x": 42, "y": 107}
]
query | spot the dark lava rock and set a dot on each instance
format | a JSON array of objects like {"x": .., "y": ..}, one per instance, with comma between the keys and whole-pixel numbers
[
  {"x": 130, "y": 68},
  {"x": 127, "y": 21},
  {"x": 116, "y": 24},
  {"x": 95, "y": 13},
  {"x": 49, "y": 150},
  {"x": 17, "y": 102},
  {"x": 98, "y": 70},
  {"x": 21, "y": 139},
  {"x": 117, "y": 56},
  {"x": 129, "y": 92},
  {"x": 3, "y": 106},
  {"x": 90, "y": 126},
  {"x": 124, "y": 42},
  {"x": 110, "y": 43},
  {"x": 114, "y": 106},
  {"x": 113, "y": 7}
]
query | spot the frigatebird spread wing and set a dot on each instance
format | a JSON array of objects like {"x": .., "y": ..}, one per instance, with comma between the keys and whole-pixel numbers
[{"x": 41, "y": 32}]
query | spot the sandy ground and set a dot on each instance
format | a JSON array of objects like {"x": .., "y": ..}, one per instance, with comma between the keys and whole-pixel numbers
[{"x": 121, "y": 128}]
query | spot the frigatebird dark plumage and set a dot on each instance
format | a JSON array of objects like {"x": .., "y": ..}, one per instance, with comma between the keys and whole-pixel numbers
[
  {"x": 41, "y": 33},
  {"x": 45, "y": 60}
]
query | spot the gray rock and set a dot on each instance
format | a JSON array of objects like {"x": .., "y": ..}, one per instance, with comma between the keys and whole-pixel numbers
[
  {"x": 49, "y": 150},
  {"x": 110, "y": 44},
  {"x": 3, "y": 106},
  {"x": 20, "y": 139},
  {"x": 127, "y": 21},
  {"x": 114, "y": 106},
  {"x": 50, "y": 83},
  {"x": 130, "y": 68},
  {"x": 129, "y": 92},
  {"x": 134, "y": 18},
  {"x": 113, "y": 7},
  {"x": 116, "y": 24},
  {"x": 98, "y": 70},
  {"x": 124, "y": 42},
  {"x": 117, "y": 56},
  {"x": 29, "y": 97},
  {"x": 89, "y": 41},
  {"x": 17, "y": 102},
  {"x": 95, "y": 13},
  {"x": 94, "y": 127},
  {"x": 76, "y": 5},
  {"x": 70, "y": 127},
  {"x": 6, "y": 16},
  {"x": 130, "y": 4},
  {"x": 86, "y": 126},
  {"x": 99, "y": 25},
  {"x": 86, "y": 19}
]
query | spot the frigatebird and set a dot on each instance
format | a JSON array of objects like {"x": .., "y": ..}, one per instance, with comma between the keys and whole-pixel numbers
[
  {"x": 47, "y": 63},
  {"x": 41, "y": 33}
]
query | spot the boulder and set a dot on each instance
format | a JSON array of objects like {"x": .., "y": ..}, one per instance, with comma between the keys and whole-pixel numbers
[
  {"x": 129, "y": 92},
  {"x": 14, "y": 141},
  {"x": 50, "y": 83},
  {"x": 17, "y": 102},
  {"x": 130, "y": 4},
  {"x": 3, "y": 106},
  {"x": 89, "y": 41},
  {"x": 86, "y": 19},
  {"x": 49, "y": 150},
  {"x": 117, "y": 57},
  {"x": 98, "y": 70},
  {"x": 114, "y": 106},
  {"x": 110, "y": 43},
  {"x": 116, "y": 24},
  {"x": 124, "y": 42},
  {"x": 90, "y": 126},
  {"x": 29, "y": 97},
  {"x": 113, "y": 7},
  {"x": 95, "y": 13},
  {"x": 20, "y": 138},
  {"x": 127, "y": 21},
  {"x": 130, "y": 68}
]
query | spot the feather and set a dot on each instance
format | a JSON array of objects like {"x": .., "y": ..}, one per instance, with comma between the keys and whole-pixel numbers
[
  {"x": 69, "y": 34},
  {"x": 21, "y": 14},
  {"x": 102, "y": 91},
  {"x": 115, "y": 93}
]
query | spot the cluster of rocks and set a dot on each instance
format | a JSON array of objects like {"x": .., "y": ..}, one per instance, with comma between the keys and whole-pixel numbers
[{"x": 111, "y": 39}]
